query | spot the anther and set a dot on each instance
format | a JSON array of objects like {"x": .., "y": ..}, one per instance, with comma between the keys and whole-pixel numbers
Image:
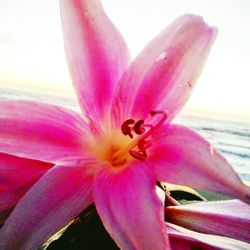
[
  {"x": 138, "y": 127},
  {"x": 126, "y": 129},
  {"x": 139, "y": 155},
  {"x": 137, "y": 147}
]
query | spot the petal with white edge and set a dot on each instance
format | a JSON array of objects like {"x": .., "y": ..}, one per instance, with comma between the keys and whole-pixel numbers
[
  {"x": 181, "y": 156},
  {"x": 96, "y": 52},
  {"x": 163, "y": 75},
  {"x": 226, "y": 218},
  {"x": 57, "y": 198},
  {"x": 41, "y": 131},
  {"x": 129, "y": 207},
  {"x": 184, "y": 239}
]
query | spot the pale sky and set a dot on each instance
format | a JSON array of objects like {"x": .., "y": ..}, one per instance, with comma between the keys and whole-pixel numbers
[{"x": 31, "y": 47}]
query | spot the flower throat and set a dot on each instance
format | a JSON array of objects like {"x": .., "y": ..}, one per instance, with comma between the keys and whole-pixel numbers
[{"x": 139, "y": 133}]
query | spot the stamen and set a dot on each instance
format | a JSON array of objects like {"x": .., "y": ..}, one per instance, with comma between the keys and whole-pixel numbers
[
  {"x": 139, "y": 155},
  {"x": 138, "y": 127},
  {"x": 162, "y": 120},
  {"x": 137, "y": 147},
  {"x": 126, "y": 129},
  {"x": 157, "y": 125},
  {"x": 141, "y": 144}
]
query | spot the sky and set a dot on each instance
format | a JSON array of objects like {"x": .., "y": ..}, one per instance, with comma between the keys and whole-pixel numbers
[{"x": 32, "y": 53}]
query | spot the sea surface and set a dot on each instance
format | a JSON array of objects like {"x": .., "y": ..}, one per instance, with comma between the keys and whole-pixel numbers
[{"x": 229, "y": 135}]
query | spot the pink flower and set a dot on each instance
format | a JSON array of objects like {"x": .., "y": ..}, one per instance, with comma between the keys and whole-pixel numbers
[
  {"x": 55, "y": 162},
  {"x": 209, "y": 225}
]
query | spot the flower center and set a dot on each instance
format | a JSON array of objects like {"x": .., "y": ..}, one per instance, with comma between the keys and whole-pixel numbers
[
  {"x": 132, "y": 142},
  {"x": 140, "y": 134}
]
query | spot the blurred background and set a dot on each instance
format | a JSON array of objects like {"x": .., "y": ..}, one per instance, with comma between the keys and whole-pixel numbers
[
  {"x": 31, "y": 47},
  {"x": 33, "y": 65}
]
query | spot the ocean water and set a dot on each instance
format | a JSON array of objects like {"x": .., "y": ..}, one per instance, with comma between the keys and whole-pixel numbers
[{"x": 229, "y": 135}]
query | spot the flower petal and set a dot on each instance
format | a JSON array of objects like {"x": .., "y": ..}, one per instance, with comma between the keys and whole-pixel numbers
[
  {"x": 184, "y": 157},
  {"x": 129, "y": 207},
  {"x": 59, "y": 196},
  {"x": 184, "y": 239},
  {"x": 96, "y": 53},
  {"x": 17, "y": 175},
  {"x": 214, "y": 217},
  {"x": 164, "y": 74},
  {"x": 40, "y": 131}
]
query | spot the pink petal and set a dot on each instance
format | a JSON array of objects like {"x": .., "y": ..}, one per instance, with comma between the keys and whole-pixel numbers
[
  {"x": 164, "y": 74},
  {"x": 96, "y": 53},
  {"x": 40, "y": 131},
  {"x": 184, "y": 157},
  {"x": 184, "y": 239},
  {"x": 226, "y": 218},
  {"x": 129, "y": 207},
  {"x": 17, "y": 175},
  {"x": 59, "y": 196}
]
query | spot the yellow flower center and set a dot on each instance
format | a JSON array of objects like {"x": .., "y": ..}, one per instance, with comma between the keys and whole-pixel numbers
[
  {"x": 112, "y": 149},
  {"x": 120, "y": 147}
]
